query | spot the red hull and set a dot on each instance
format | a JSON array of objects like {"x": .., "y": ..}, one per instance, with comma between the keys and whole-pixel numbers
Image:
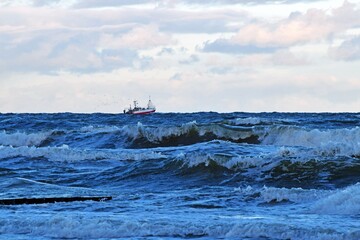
[{"x": 143, "y": 112}]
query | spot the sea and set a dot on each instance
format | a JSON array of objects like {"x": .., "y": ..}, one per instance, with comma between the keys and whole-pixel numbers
[{"x": 202, "y": 175}]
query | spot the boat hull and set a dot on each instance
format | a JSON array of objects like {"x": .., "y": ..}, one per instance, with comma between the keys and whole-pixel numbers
[{"x": 142, "y": 112}]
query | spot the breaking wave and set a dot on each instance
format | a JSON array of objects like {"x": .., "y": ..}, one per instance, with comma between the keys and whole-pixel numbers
[
  {"x": 66, "y": 154},
  {"x": 18, "y": 139},
  {"x": 328, "y": 142},
  {"x": 186, "y": 134},
  {"x": 332, "y": 141},
  {"x": 98, "y": 226},
  {"x": 341, "y": 201},
  {"x": 345, "y": 201}
]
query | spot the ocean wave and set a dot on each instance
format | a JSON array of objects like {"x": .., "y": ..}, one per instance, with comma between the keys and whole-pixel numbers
[
  {"x": 99, "y": 226},
  {"x": 342, "y": 201},
  {"x": 278, "y": 195},
  {"x": 329, "y": 142},
  {"x": 246, "y": 121},
  {"x": 275, "y": 165},
  {"x": 230, "y": 162},
  {"x": 18, "y": 139},
  {"x": 186, "y": 134},
  {"x": 66, "y": 154},
  {"x": 100, "y": 129}
]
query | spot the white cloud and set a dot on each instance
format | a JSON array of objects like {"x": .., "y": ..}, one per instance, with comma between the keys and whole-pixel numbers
[{"x": 299, "y": 28}]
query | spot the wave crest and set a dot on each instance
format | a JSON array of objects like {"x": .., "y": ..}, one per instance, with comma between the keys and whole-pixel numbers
[
  {"x": 186, "y": 134},
  {"x": 18, "y": 139},
  {"x": 344, "y": 201},
  {"x": 329, "y": 142}
]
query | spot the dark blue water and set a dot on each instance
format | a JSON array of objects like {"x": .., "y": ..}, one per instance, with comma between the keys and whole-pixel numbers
[{"x": 198, "y": 175}]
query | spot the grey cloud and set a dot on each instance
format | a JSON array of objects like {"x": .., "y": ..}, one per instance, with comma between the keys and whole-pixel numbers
[
  {"x": 167, "y": 20},
  {"x": 221, "y": 70},
  {"x": 34, "y": 3},
  {"x": 209, "y": 24},
  {"x": 107, "y": 3},
  {"x": 39, "y": 3},
  {"x": 165, "y": 51},
  {"x": 247, "y": 2},
  {"x": 348, "y": 51},
  {"x": 192, "y": 59},
  {"x": 176, "y": 77},
  {"x": 161, "y": 3},
  {"x": 171, "y": 3},
  {"x": 53, "y": 51},
  {"x": 225, "y": 46}
]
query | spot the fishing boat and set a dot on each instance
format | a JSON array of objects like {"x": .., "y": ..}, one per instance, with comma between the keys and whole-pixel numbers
[{"x": 140, "y": 110}]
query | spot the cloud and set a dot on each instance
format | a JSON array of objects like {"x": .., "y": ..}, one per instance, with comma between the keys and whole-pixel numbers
[
  {"x": 298, "y": 28},
  {"x": 49, "y": 40},
  {"x": 60, "y": 50},
  {"x": 106, "y": 3},
  {"x": 173, "y": 3},
  {"x": 264, "y": 37},
  {"x": 162, "y": 3},
  {"x": 141, "y": 37},
  {"x": 221, "y": 70},
  {"x": 226, "y": 46},
  {"x": 287, "y": 58},
  {"x": 39, "y": 3},
  {"x": 176, "y": 77},
  {"x": 349, "y": 50},
  {"x": 192, "y": 59},
  {"x": 165, "y": 51}
]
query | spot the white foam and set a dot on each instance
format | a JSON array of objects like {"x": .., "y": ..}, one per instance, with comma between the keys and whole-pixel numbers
[
  {"x": 23, "y": 139},
  {"x": 285, "y": 230},
  {"x": 100, "y": 129},
  {"x": 236, "y": 157},
  {"x": 295, "y": 195},
  {"x": 67, "y": 154},
  {"x": 325, "y": 142},
  {"x": 157, "y": 134},
  {"x": 343, "y": 201},
  {"x": 235, "y": 162},
  {"x": 246, "y": 121},
  {"x": 94, "y": 226}
]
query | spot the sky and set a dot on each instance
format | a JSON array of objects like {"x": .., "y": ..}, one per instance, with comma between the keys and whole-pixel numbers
[{"x": 189, "y": 55}]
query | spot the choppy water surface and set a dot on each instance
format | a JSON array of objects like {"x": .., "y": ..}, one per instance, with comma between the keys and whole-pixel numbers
[{"x": 200, "y": 175}]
